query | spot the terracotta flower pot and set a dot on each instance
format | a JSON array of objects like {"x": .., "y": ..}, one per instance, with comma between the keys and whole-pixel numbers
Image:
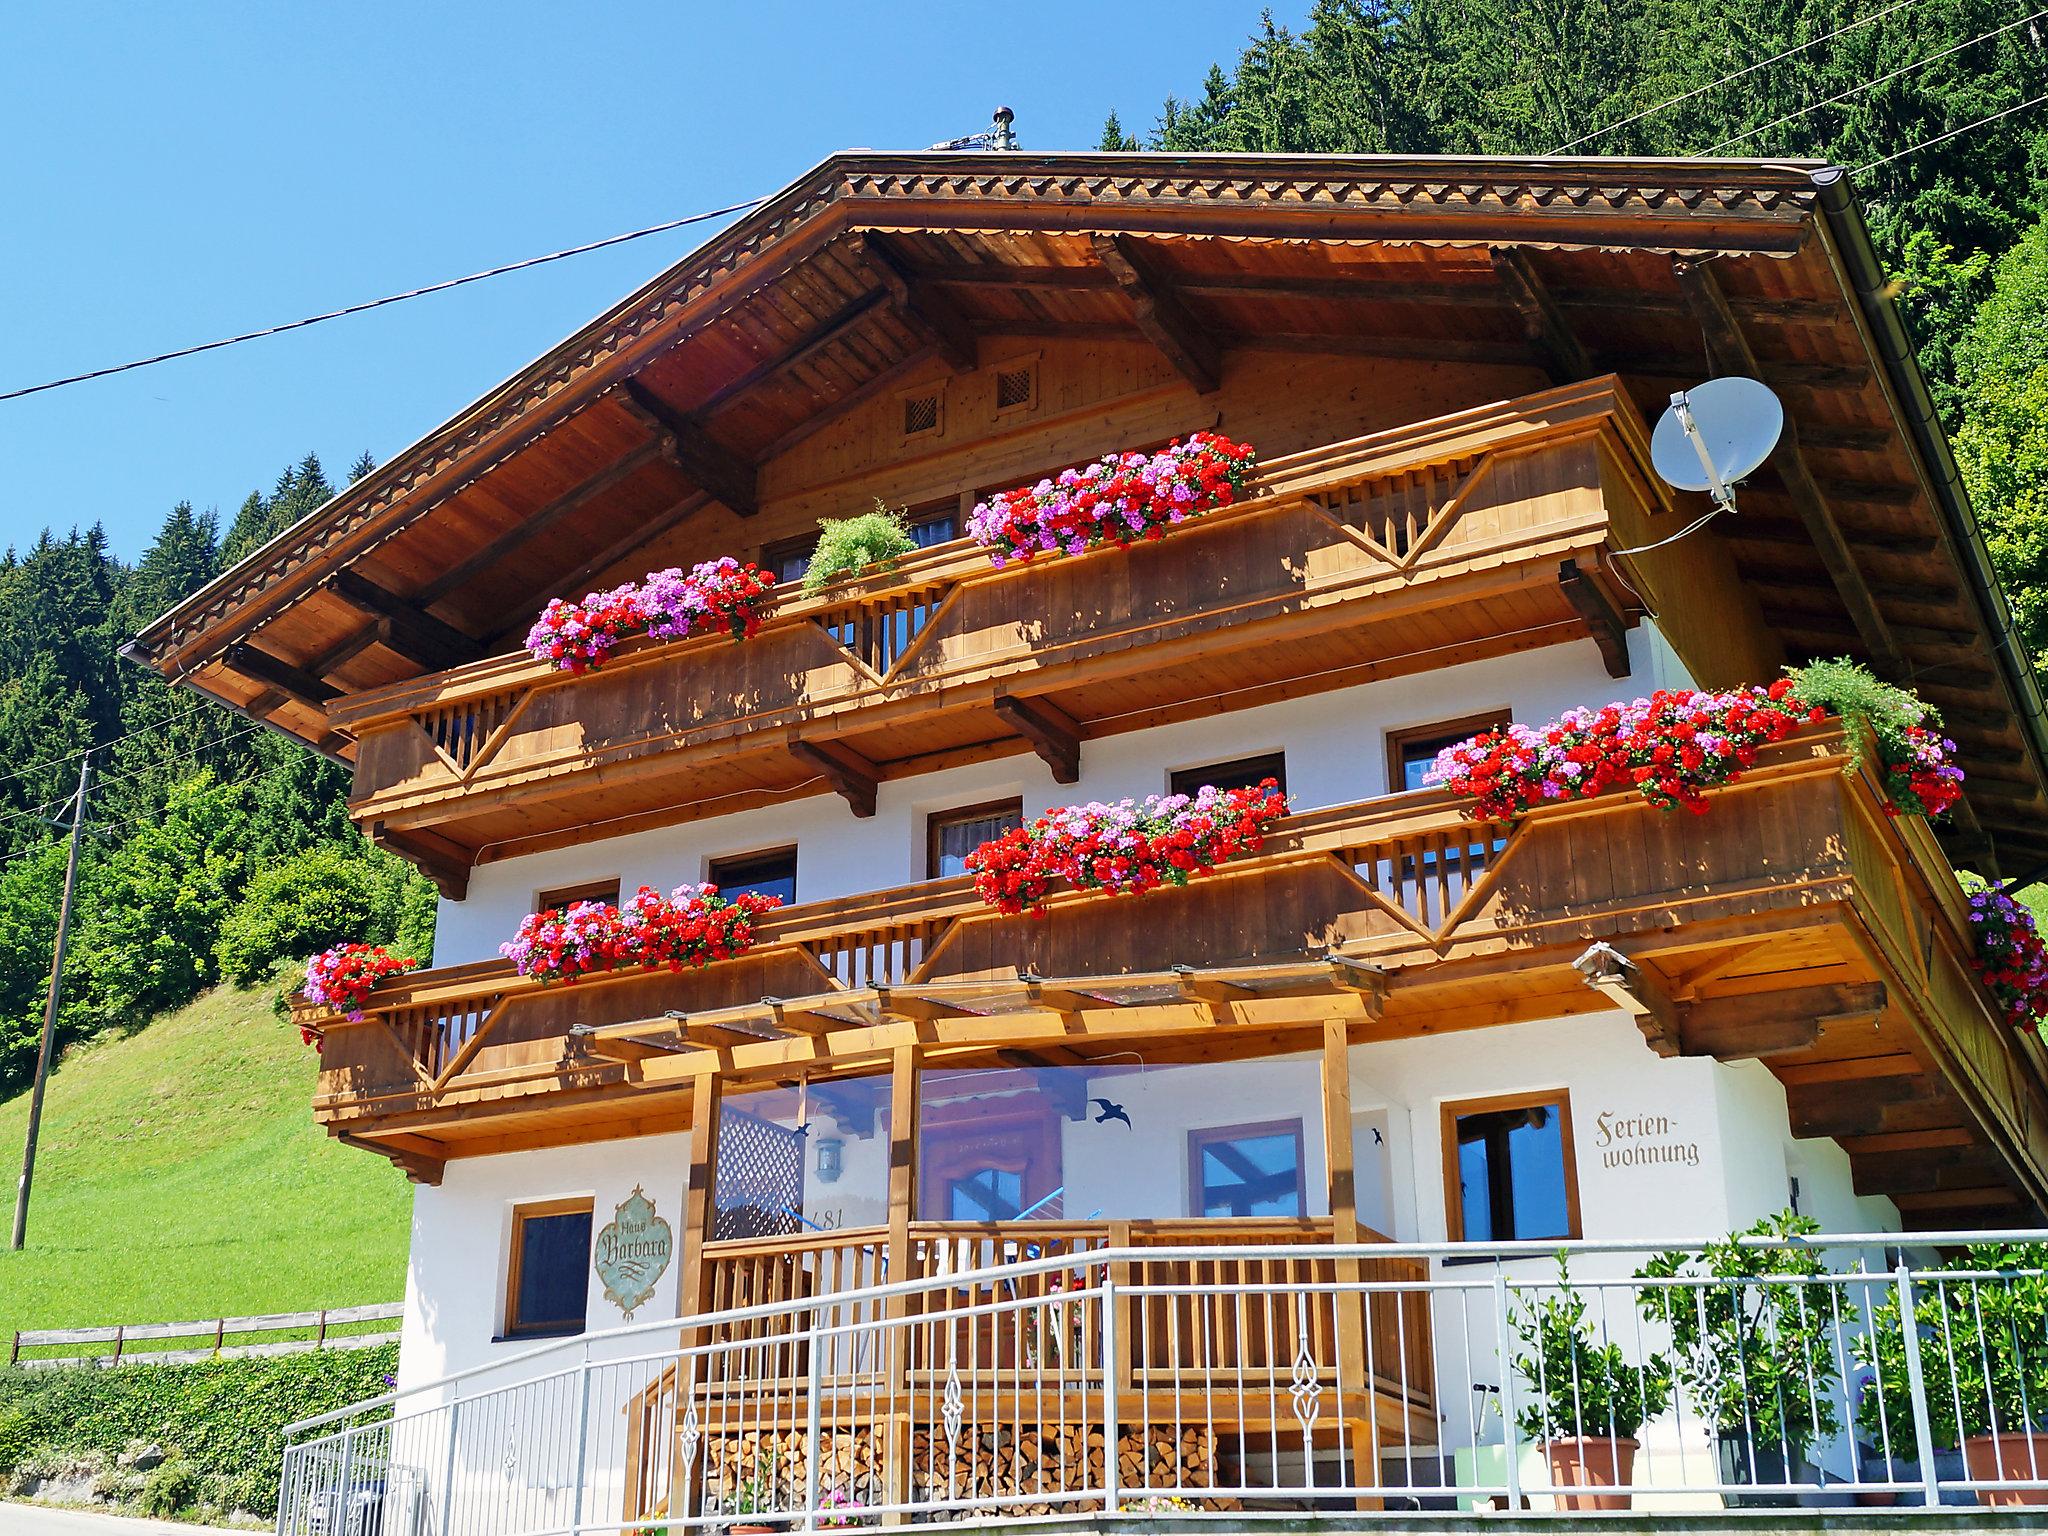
[
  {"x": 2008, "y": 1457},
  {"x": 1580, "y": 1467}
]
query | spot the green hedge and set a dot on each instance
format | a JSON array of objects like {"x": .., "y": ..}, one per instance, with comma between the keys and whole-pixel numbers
[{"x": 222, "y": 1418}]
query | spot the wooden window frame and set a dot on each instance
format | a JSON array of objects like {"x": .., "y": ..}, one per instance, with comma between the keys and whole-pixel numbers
[
  {"x": 1277, "y": 755},
  {"x": 516, "y": 1260},
  {"x": 1399, "y": 741},
  {"x": 560, "y": 897},
  {"x": 1201, "y": 1136},
  {"x": 1455, "y": 1109},
  {"x": 753, "y": 856},
  {"x": 952, "y": 815}
]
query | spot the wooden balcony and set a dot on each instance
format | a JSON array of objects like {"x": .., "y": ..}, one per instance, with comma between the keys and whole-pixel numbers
[
  {"x": 1795, "y": 923},
  {"x": 1469, "y": 535}
]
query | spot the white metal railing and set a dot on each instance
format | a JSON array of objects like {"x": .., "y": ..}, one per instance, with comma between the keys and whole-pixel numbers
[{"x": 1399, "y": 1377}]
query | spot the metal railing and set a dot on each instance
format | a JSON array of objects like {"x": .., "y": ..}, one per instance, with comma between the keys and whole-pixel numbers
[{"x": 1835, "y": 1370}]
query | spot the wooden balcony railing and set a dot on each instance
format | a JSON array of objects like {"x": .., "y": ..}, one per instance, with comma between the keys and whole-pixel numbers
[{"x": 1450, "y": 538}]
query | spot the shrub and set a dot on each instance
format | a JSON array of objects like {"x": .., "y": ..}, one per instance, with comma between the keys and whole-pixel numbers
[
  {"x": 1578, "y": 1387},
  {"x": 17, "y": 1439},
  {"x": 326, "y": 895},
  {"x": 848, "y": 544},
  {"x": 169, "y": 1488}
]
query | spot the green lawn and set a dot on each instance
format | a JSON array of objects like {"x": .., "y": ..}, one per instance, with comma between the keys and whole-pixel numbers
[{"x": 181, "y": 1177}]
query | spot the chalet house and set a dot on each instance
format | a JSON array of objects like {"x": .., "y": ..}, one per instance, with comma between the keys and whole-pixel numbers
[{"x": 1391, "y": 1029}]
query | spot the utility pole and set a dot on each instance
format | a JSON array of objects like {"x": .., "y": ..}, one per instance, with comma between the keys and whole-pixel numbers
[{"x": 50, "y": 1006}]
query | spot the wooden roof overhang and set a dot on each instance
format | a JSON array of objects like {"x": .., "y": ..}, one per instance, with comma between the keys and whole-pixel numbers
[
  {"x": 1795, "y": 925},
  {"x": 1856, "y": 539}
]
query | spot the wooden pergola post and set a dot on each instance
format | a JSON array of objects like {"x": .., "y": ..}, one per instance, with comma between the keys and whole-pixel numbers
[
  {"x": 1351, "y": 1308},
  {"x": 904, "y": 1061}
]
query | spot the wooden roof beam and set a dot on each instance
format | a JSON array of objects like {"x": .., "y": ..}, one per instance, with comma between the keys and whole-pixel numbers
[
  {"x": 1053, "y": 733},
  {"x": 408, "y": 628},
  {"x": 1162, "y": 314},
  {"x": 1564, "y": 357},
  {"x": 929, "y": 314},
  {"x": 692, "y": 449},
  {"x": 1763, "y": 1024},
  {"x": 852, "y": 776},
  {"x": 275, "y": 672},
  {"x": 1635, "y": 992},
  {"x": 441, "y": 860},
  {"x": 835, "y": 327},
  {"x": 1729, "y": 350},
  {"x": 1610, "y": 630}
]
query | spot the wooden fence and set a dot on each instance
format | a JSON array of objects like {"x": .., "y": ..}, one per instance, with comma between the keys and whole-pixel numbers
[{"x": 306, "y": 1330}]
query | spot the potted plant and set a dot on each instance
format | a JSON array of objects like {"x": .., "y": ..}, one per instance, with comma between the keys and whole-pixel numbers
[
  {"x": 1753, "y": 1331},
  {"x": 847, "y": 545},
  {"x": 1585, "y": 1401},
  {"x": 753, "y": 1500},
  {"x": 1983, "y": 1344}
]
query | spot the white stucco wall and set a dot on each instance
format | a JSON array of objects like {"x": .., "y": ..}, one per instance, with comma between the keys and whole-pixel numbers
[{"x": 1335, "y": 746}]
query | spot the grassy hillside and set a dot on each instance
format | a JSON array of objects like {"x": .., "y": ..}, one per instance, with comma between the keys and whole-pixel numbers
[{"x": 181, "y": 1177}]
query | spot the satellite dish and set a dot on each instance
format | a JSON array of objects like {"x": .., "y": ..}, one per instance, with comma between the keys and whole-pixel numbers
[{"x": 1716, "y": 433}]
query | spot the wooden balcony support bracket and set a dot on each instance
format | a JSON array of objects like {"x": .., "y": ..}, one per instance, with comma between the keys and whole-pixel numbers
[
  {"x": 1543, "y": 320},
  {"x": 1162, "y": 315},
  {"x": 1053, "y": 733},
  {"x": 920, "y": 307},
  {"x": 407, "y": 627},
  {"x": 1729, "y": 351},
  {"x": 1626, "y": 985},
  {"x": 1610, "y": 630},
  {"x": 275, "y": 672},
  {"x": 445, "y": 863},
  {"x": 690, "y": 446},
  {"x": 852, "y": 776},
  {"x": 1347, "y": 973},
  {"x": 417, "y": 1166}
]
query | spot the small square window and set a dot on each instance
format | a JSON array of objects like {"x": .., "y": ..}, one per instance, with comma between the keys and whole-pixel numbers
[
  {"x": 1247, "y": 1170},
  {"x": 922, "y": 412},
  {"x": 952, "y": 835},
  {"x": 1411, "y": 752},
  {"x": 1238, "y": 773},
  {"x": 771, "y": 873},
  {"x": 563, "y": 897},
  {"x": 546, "y": 1288},
  {"x": 1509, "y": 1170},
  {"x": 1016, "y": 386}
]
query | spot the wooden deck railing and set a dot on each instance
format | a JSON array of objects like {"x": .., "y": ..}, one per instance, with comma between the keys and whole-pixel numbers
[{"x": 1448, "y": 535}]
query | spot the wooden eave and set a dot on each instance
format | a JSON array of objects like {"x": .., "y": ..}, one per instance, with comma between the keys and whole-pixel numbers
[{"x": 873, "y": 265}]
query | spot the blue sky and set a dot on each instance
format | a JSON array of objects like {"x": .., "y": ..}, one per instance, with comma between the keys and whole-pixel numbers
[{"x": 175, "y": 172}]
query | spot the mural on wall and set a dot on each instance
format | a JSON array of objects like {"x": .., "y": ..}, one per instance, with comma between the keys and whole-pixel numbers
[{"x": 632, "y": 1252}]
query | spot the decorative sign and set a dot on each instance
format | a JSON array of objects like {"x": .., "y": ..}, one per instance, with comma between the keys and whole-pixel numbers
[
  {"x": 632, "y": 1252},
  {"x": 1636, "y": 1141}
]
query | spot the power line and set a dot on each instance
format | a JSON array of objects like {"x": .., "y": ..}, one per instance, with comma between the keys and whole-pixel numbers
[
  {"x": 1943, "y": 138},
  {"x": 140, "y": 730},
  {"x": 1871, "y": 85},
  {"x": 1598, "y": 133},
  {"x": 389, "y": 298}
]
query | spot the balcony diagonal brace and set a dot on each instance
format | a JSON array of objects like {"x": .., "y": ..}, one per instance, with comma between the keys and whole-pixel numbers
[
  {"x": 690, "y": 446},
  {"x": 851, "y": 776},
  {"x": 1729, "y": 350},
  {"x": 1610, "y": 630},
  {"x": 1162, "y": 314},
  {"x": 1543, "y": 319},
  {"x": 1053, "y": 733}
]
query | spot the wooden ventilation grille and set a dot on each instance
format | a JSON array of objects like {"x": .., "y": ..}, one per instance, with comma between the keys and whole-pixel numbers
[
  {"x": 461, "y": 729},
  {"x": 920, "y": 414},
  {"x": 1015, "y": 387}
]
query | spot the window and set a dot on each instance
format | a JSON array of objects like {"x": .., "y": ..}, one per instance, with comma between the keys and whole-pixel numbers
[
  {"x": 935, "y": 525},
  {"x": 1411, "y": 752},
  {"x": 985, "y": 1194},
  {"x": 545, "y": 1287},
  {"x": 1509, "y": 1172},
  {"x": 952, "y": 835},
  {"x": 1017, "y": 384},
  {"x": 1247, "y": 1170},
  {"x": 1238, "y": 773},
  {"x": 924, "y": 410},
  {"x": 929, "y": 524},
  {"x": 771, "y": 873},
  {"x": 563, "y": 896},
  {"x": 788, "y": 559}
]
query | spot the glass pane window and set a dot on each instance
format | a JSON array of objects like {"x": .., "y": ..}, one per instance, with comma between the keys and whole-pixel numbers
[
  {"x": 772, "y": 873},
  {"x": 952, "y": 835},
  {"x": 937, "y": 528},
  {"x": 985, "y": 1194},
  {"x": 1511, "y": 1169},
  {"x": 812, "y": 1158},
  {"x": 1238, "y": 773},
  {"x": 547, "y": 1287},
  {"x": 1249, "y": 1171},
  {"x": 1412, "y": 753}
]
